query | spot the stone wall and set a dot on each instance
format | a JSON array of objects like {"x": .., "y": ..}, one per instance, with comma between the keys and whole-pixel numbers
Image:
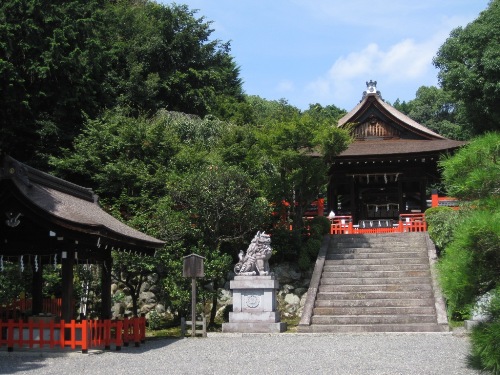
[{"x": 291, "y": 296}]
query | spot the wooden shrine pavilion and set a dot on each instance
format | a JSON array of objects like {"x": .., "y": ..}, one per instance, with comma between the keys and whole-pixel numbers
[
  {"x": 50, "y": 220},
  {"x": 390, "y": 166}
]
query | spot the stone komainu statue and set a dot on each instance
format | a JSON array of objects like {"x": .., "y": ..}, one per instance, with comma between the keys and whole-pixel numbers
[{"x": 256, "y": 259}]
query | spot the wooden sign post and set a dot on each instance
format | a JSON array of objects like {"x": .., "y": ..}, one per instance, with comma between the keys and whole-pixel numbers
[{"x": 193, "y": 268}]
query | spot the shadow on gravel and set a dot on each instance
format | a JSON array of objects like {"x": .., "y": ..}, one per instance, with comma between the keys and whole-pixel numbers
[
  {"x": 13, "y": 364},
  {"x": 151, "y": 344}
]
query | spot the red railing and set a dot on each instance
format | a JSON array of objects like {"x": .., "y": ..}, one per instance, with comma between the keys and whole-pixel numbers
[
  {"x": 83, "y": 334},
  {"x": 14, "y": 310},
  {"x": 406, "y": 223}
]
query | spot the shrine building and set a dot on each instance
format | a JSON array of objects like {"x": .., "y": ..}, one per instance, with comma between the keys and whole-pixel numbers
[{"x": 391, "y": 165}]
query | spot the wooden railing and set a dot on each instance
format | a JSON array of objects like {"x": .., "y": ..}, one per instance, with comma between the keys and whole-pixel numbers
[
  {"x": 14, "y": 309},
  {"x": 406, "y": 223},
  {"x": 83, "y": 334}
]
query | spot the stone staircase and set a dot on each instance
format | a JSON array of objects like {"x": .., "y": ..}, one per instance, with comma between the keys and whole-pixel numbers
[{"x": 375, "y": 283}]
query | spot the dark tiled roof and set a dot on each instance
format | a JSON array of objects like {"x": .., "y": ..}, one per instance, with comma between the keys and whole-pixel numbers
[
  {"x": 410, "y": 124},
  {"x": 399, "y": 147},
  {"x": 71, "y": 206}
]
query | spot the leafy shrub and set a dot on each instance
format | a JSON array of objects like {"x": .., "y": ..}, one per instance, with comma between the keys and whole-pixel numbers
[
  {"x": 309, "y": 253},
  {"x": 485, "y": 339},
  {"x": 286, "y": 244},
  {"x": 154, "y": 320},
  {"x": 311, "y": 247},
  {"x": 471, "y": 264},
  {"x": 322, "y": 223},
  {"x": 441, "y": 223},
  {"x": 304, "y": 261}
]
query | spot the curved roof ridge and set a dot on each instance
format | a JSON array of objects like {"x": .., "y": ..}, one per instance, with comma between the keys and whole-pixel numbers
[
  {"x": 70, "y": 205},
  {"x": 392, "y": 111}
]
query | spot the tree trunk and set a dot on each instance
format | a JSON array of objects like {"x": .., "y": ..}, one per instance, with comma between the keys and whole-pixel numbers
[{"x": 213, "y": 311}]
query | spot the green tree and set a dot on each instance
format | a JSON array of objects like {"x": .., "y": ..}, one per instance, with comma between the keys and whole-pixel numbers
[
  {"x": 225, "y": 211},
  {"x": 51, "y": 69},
  {"x": 474, "y": 171},
  {"x": 164, "y": 58},
  {"x": 470, "y": 266},
  {"x": 297, "y": 152},
  {"x": 329, "y": 113},
  {"x": 469, "y": 68},
  {"x": 132, "y": 271},
  {"x": 436, "y": 109},
  {"x": 65, "y": 61}
]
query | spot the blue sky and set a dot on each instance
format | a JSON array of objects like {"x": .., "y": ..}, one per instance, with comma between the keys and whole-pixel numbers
[{"x": 323, "y": 51}]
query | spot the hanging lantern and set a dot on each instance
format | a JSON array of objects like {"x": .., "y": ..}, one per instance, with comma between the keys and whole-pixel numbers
[
  {"x": 21, "y": 263},
  {"x": 36, "y": 263}
]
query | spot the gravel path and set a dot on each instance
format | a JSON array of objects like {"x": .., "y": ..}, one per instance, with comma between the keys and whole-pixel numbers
[{"x": 342, "y": 354}]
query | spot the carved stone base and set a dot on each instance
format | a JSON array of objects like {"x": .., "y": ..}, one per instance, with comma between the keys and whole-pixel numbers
[{"x": 254, "y": 306}]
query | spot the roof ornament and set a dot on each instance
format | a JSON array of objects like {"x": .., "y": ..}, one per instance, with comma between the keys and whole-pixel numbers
[
  {"x": 13, "y": 219},
  {"x": 371, "y": 88}
]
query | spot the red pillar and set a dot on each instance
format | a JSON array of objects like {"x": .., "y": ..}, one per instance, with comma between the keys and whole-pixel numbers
[
  {"x": 434, "y": 199},
  {"x": 321, "y": 206}
]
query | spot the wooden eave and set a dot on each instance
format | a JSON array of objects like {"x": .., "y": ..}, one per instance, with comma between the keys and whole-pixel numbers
[{"x": 67, "y": 209}]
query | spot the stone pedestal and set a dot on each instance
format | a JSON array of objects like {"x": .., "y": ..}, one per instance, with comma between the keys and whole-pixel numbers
[{"x": 254, "y": 306}]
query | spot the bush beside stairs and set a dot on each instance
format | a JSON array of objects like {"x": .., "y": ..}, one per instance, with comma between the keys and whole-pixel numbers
[{"x": 374, "y": 283}]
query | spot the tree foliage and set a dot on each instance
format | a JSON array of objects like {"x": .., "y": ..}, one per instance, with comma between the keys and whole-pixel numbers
[
  {"x": 474, "y": 171},
  {"x": 65, "y": 61},
  {"x": 436, "y": 109},
  {"x": 469, "y": 68}
]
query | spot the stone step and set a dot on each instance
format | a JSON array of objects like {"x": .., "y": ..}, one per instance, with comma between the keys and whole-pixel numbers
[
  {"x": 360, "y": 328},
  {"x": 375, "y": 310},
  {"x": 376, "y": 274},
  {"x": 374, "y": 280},
  {"x": 375, "y": 261},
  {"x": 374, "y": 267},
  {"x": 374, "y": 295},
  {"x": 375, "y": 283},
  {"x": 401, "y": 302},
  {"x": 375, "y": 245},
  {"x": 376, "y": 236},
  {"x": 362, "y": 250},
  {"x": 380, "y": 255},
  {"x": 375, "y": 288},
  {"x": 373, "y": 319},
  {"x": 382, "y": 241}
]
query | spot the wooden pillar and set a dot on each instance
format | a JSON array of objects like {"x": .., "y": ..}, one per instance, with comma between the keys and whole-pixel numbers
[
  {"x": 37, "y": 287},
  {"x": 107, "y": 263},
  {"x": 400, "y": 196},
  {"x": 423, "y": 197},
  {"x": 67, "y": 263},
  {"x": 353, "y": 200}
]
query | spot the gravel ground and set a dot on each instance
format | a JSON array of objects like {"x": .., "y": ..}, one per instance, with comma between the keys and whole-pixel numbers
[{"x": 343, "y": 354}]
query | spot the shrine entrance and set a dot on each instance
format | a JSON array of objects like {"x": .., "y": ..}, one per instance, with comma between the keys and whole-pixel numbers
[{"x": 389, "y": 168}]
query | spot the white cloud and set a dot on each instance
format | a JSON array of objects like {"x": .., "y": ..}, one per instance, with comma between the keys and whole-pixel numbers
[
  {"x": 285, "y": 86},
  {"x": 403, "y": 62}
]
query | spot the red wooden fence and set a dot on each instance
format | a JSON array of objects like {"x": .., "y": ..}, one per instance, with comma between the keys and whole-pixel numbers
[
  {"x": 83, "y": 334},
  {"x": 406, "y": 223},
  {"x": 13, "y": 310}
]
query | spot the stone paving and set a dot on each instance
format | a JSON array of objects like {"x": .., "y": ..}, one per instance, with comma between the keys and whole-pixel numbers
[{"x": 287, "y": 353}]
